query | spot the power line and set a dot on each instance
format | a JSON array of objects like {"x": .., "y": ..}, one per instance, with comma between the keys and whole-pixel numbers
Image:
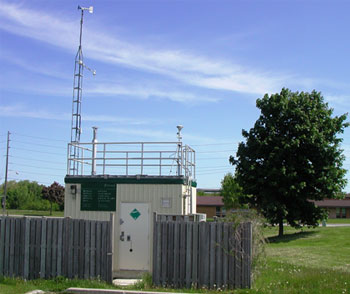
[
  {"x": 44, "y": 145},
  {"x": 35, "y": 137},
  {"x": 18, "y": 179},
  {"x": 37, "y": 151},
  {"x": 218, "y": 151},
  {"x": 43, "y": 174},
  {"x": 212, "y": 173},
  {"x": 26, "y": 165},
  {"x": 213, "y": 144},
  {"x": 211, "y": 158},
  {"x": 46, "y": 161},
  {"x": 212, "y": 167}
]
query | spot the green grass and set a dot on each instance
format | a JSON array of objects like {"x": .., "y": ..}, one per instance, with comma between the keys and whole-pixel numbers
[
  {"x": 33, "y": 212},
  {"x": 305, "y": 261},
  {"x": 338, "y": 221},
  {"x": 19, "y": 286},
  {"x": 310, "y": 261}
]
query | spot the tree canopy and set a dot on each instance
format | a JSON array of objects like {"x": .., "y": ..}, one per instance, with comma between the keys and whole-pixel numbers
[
  {"x": 292, "y": 155},
  {"x": 23, "y": 195},
  {"x": 231, "y": 192},
  {"x": 55, "y": 194}
]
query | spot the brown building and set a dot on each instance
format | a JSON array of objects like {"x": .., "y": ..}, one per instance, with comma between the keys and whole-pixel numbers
[
  {"x": 337, "y": 208},
  {"x": 214, "y": 206},
  {"x": 211, "y": 206}
]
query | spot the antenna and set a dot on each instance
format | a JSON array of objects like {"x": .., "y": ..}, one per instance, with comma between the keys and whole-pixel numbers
[
  {"x": 77, "y": 98},
  {"x": 179, "y": 150}
]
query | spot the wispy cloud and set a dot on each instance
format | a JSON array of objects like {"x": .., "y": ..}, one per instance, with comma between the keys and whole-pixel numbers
[
  {"x": 158, "y": 134},
  {"x": 146, "y": 92},
  {"x": 189, "y": 68},
  {"x": 44, "y": 68},
  {"x": 341, "y": 100},
  {"x": 22, "y": 111}
]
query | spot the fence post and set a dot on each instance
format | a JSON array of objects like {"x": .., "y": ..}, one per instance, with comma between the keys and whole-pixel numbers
[
  {"x": 156, "y": 257},
  {"x": 110, "y": 249},
  {"x": 26, "y": 247},
  {"x": 2, "y": 243},
  {"x": 43, "y": 248}
]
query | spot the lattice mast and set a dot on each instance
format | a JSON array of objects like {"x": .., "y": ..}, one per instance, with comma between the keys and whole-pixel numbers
[{"x": 77, "y": 98}]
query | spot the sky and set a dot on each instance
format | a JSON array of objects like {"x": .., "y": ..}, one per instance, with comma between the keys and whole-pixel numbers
[{"x": 198, "y": 63}]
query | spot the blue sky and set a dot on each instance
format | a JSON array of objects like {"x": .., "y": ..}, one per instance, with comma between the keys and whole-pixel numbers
[{"x": 201, "y": 64}]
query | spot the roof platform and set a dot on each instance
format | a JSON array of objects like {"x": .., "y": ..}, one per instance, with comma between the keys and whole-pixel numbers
[{"x": 131, "y": 160}]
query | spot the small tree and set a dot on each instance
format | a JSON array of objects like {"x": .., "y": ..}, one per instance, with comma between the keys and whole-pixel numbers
[
  {"x": 231, "y": 191},
  {"x": 55, "y": 194},
  {"x": 292, "y": 155}
]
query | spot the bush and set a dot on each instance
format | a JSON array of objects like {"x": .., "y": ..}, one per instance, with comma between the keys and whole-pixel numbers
[
  {"x": 258, "y": 243},
  {"x": 42, "y": 204}
]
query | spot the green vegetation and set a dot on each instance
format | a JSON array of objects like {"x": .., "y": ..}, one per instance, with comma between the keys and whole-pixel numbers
[
  {"x": 19, "y": 286},
  {"x": 231, "y": 192},
  {"x": 306, "y": 261},
  {"x": 309, "y": 261},
  {"x": 26, "y": 195},
  {"x": 25, "y": 212},
  {"x": 55, "y": 194},
  {"x": 290, "y": 156},
  {"x": 338, "y": 221}
]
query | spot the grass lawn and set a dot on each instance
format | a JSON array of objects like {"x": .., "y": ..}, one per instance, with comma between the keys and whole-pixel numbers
[
  {"x": 308, "y": 261},
  {"x": 303, "y": 261},
  {"x": 34, "y": 212},
  {"x": 338, "y": 221}
]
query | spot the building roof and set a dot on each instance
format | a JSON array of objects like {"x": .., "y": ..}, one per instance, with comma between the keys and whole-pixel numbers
[
  {"x": 208, "y": 190},
  {"x": 217, "y": 201},
  {"x": 333, "y": 203},
  {"x": 209, "y": 201}
]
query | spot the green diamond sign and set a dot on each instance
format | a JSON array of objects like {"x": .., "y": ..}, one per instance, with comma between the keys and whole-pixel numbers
[{"x": 135, "y": 214}]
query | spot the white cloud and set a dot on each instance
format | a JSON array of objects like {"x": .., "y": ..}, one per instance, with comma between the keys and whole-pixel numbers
[
  {"x": 145, "y": 92},
  {"x": 159, "y": 134},
  {"x": 341, "y": 100},
  {"x": 186, "y": 67},
  {"x": 43, "y": 68},
  {"x": 22, "y": 112}
]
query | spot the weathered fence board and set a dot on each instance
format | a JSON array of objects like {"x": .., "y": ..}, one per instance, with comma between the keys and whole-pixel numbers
[
  {"x": 32, "y": 247},
  {"x": 200, "y": 254}
]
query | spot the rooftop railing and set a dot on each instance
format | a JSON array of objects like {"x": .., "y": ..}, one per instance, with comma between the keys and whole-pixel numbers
[{"x": 131, "y": 158}]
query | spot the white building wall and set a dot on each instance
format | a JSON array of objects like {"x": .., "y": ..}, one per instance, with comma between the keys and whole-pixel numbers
[
  {"x": 72, "y": 207},
  {"x": 157, "y": 195}
]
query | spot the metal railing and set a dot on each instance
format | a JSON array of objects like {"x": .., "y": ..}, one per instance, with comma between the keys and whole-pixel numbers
[{"x": 132, "y": 158}]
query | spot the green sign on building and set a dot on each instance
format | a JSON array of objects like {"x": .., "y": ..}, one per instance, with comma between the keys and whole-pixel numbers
[{"x": 98, "y": 197}]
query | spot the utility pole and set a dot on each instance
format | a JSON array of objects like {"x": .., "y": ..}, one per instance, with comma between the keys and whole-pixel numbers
[{"x": 6, "y": 171}]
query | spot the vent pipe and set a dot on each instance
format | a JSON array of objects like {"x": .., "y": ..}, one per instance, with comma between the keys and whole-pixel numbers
[{"x": 94, "y": 151}]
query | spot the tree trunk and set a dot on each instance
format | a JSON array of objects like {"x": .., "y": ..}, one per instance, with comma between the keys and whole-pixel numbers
[{"x": 280, "y": 230}]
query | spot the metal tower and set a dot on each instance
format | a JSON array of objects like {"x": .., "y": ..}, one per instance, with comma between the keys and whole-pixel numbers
[{"x": 77, "y": 97}]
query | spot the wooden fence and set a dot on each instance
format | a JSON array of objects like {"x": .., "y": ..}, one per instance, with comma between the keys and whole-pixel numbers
[
  {"x": 201, "y": 254},
  {"x": 32, "y": 247}
]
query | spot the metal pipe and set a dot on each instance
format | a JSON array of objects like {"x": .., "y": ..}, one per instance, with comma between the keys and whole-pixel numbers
[
  {"x": 142, "y": 159},
  {"x": 94, "y": 151}
]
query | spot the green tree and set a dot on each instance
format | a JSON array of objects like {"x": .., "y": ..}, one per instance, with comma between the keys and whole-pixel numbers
[
  {"x": 231, "y": 191},
  {"x": 292, "y": 155},
  {"x": 23, "y": 195},
  {"x": 55, "y": 194}
]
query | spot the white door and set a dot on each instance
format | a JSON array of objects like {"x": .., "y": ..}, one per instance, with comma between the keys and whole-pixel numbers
[{"x": 134, "y": 241}]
